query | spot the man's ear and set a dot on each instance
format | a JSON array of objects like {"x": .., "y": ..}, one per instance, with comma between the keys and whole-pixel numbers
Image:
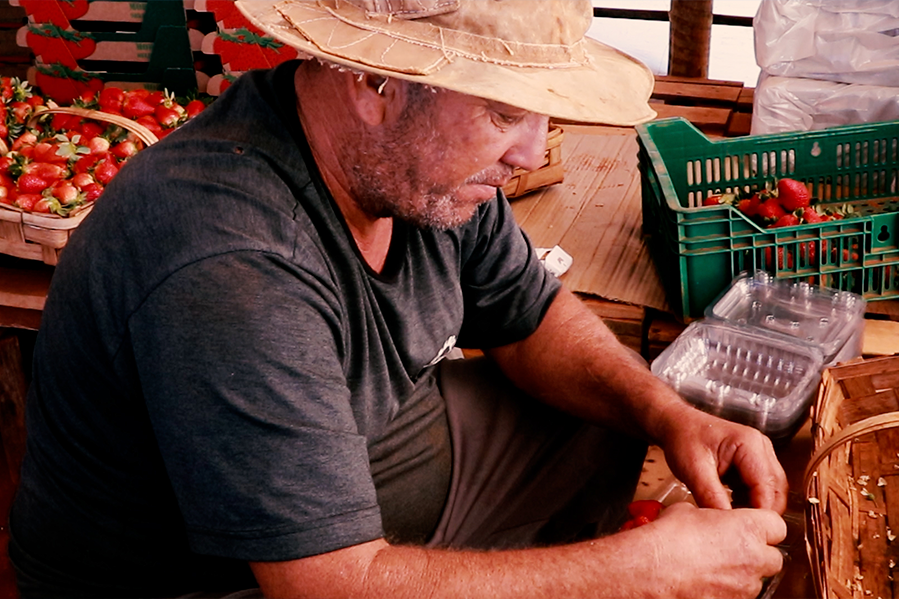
[{"x": 372, "y": 96}]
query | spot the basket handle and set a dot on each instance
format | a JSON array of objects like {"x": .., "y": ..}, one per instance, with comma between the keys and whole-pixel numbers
[
  {"x": 144, "y": 134},
  {"x": 862, "y": 427}
]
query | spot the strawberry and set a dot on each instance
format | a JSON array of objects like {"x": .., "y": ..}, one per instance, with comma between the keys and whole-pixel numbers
[
  {"x": 792, "y": 194},
  {"x": 151, "y": 124},
  {"x": 21, "y": 111},
  {"x": 771, "y": 210},
  {"x": 7, "y": 194},
  {"x": 194, "y": 107},
  {"x": 63, "y": 122},
  {"x": 90, "y": 130},
  {"x": 98, "y": 145},
  {"x": 45, "y": 170},
  {"x": 136, "y": 105},
  {"x": 65, "y": 192},
  {"x": 750, "y": 206},
  {"x": 787, "y": 220},
  {"x": 26, "y": 139},
  {"x": 106, "y": 170},
  {"x": 26, "y": 201},
  {"x": 82, "y": 180},
  {"x": 167, "y": 116},
  {"x": 719, "y": 199},
  {"x": 92, "y": 191},
  {"x": 87, "y": 163},
  {"x": 810, "y": 215},
  {"x": 111, "y": 99},
  {"x": 47, "y": 152},
  {"x": 31, "y": 183},
  {"x": 124, "y": 149},
  {"x": 44, "y": 205}
]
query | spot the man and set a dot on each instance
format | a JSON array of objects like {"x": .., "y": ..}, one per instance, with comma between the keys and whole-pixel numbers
[{"x": 240, "y": 381}]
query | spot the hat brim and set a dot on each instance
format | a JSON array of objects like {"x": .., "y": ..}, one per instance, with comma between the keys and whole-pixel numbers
[{"x": 611, "y": 88}]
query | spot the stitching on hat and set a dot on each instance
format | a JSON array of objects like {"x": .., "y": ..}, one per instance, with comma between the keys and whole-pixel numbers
[{"x": 530, "y": 53}]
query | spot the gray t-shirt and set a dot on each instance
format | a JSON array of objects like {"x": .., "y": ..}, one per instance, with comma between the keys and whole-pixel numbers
[{"x": 217, "y": 368}]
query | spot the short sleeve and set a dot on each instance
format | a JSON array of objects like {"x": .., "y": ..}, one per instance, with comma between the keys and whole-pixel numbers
[
  {"x": 241, "y": 360},
  {"x": 507, "y": 290}
]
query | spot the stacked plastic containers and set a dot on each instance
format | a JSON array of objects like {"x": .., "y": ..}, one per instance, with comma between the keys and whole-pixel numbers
[{"x": 757, "y": 356}]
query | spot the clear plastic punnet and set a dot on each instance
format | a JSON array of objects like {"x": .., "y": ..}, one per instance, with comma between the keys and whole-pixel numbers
[
  {"x": 829, "y": 319},
  {"x": 765, "y": 381},
  {"x": 757, "y": 356}
]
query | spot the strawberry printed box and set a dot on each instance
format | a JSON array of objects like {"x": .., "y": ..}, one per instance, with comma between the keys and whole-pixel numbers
[
  {"x": 55, "y": 162},
  {"x": 238, "y": 44}
]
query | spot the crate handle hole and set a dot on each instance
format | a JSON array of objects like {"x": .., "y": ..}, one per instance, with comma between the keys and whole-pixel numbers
[
  {"x": 816, "y": 150},
  {"x": 884, "y": 233}
]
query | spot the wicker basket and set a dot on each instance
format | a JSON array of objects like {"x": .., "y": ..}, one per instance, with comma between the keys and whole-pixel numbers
[
  {"x": 852, "y": 481},
  {"x": 42, "y": 236},
  {"x": 549, "y": 173}
]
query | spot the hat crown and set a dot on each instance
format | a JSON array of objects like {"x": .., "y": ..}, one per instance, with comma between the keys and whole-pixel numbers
[{"x": 551, "y": 22}]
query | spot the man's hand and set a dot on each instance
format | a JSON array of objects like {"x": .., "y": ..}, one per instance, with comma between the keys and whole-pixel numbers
[
  {"x": 711, "y": 553},
  {"x": 701, "y": 448}
]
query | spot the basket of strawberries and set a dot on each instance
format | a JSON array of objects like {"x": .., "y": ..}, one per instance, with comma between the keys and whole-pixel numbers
[{"x": 55, "y": 161}]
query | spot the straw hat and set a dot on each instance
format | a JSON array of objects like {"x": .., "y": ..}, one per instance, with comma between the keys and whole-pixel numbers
[{"x": 532, "y": 54}]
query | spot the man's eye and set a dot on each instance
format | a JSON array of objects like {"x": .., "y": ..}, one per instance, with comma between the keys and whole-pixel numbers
[{"x": 506, "y": 119}]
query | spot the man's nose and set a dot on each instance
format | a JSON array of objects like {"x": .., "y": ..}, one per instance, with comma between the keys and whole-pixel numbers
[{"x": 528, "y": 150}]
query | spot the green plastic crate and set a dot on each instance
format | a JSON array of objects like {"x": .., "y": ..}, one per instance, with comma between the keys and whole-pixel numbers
[{"x": 698, "y": 250}]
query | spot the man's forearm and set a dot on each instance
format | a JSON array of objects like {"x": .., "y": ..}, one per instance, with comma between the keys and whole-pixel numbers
[{"x": 573, "y": 361}]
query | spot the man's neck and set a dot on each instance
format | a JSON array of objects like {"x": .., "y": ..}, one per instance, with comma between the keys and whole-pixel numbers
[{"x": 371, "y": 235}]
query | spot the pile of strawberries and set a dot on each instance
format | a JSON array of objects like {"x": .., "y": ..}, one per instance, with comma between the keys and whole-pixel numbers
[
  {"x": 58, "y": 163},
  {"x": 783, "y": 203}
]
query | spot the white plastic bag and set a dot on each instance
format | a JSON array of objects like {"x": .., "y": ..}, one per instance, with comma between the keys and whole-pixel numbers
[
  {"x": 797, "y": 104},
  {"x": 848, "y": 41}
]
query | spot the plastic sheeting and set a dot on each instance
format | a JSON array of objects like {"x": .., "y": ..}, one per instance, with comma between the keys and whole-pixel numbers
[
  {"x": 847, "y": 41},
  {"x": 796, "y": 104}
]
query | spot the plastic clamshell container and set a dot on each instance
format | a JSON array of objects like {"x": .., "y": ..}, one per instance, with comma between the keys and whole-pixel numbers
[
  {"x": 743, "y": 375},
  {"x": 698, "y": 249},
  {"x": 829, "y": 319}
]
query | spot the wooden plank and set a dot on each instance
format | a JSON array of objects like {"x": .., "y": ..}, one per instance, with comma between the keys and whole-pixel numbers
[
  {"x": 701, "y": 116},
  {"x": 23, "y": 288},
  {"x": 695, "y": 91},
  {"x": 19, "y": 318}
]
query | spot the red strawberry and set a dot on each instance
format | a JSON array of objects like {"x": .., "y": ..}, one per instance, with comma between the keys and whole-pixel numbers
[
  {"x": 7, "y": 194},
  {"x": 167, "y": 116},
  {"x": 92, "y": 191},
  {"x": 136, "y": 105},
  {"x": 787, "y": 220},
  {"x": 792, "y": 194},
  {"x": 86, "y": 163},
  {"x": 106, "y": 170},
  {"x": 26, "y": 201},
  {"x": 194, "y": 107},
  {"x": 21, "y": 111},
  {"x": 750, "y": 206},
  {"x": 47, "y": 152},
  {"x": 98, "y": 145},
  {"x": 111, "y": 100},
  {"x": 82, "y": 180},
  {"x": 151, "y": 124},
  {"x": 30, "y": 183},
  {"x": 90, "y": 130},
  {"x": 26, "y": 139},
  {"x": 45, "y": 170},
  {"x": 124, "y": 149},
  {"x": 810, "y": 215},
  {"x": 45, "y": 205},
  {"x": 65, "y": 192},
  {"x": 771, "y": 210}
]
